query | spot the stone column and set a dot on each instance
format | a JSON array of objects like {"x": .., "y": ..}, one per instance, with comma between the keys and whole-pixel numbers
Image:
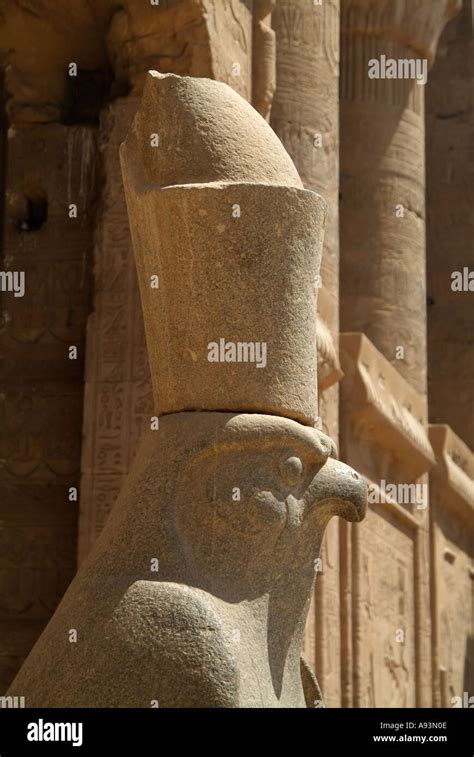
[
  {"x": 387, "y": 49},
  {"x": 383, "y": 175},
  {"x": 450, "y": 229},
  {"x": 209, "y": 552},
  {"x": 263, "y": 57},
  {"x": 305, "y": 115}
]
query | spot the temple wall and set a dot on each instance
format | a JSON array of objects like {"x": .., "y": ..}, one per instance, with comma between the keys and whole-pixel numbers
[{"x": 50, "y": 167}]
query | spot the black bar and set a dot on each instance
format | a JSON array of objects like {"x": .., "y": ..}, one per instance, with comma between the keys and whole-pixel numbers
[{"x": 144, "y": 732}]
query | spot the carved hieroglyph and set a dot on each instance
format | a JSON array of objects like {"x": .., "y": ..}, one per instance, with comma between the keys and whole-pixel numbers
[
  {"x": 206, "y": 564},
  {"x": 385, "y": 645},
  {"x": 117, "y": 397}
]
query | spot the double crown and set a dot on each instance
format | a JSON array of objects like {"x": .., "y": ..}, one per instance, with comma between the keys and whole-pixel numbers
[{"x": 228, "y": 247}]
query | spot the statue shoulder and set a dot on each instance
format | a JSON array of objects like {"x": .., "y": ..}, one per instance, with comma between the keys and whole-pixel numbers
[{"x": 187, "y": 638}]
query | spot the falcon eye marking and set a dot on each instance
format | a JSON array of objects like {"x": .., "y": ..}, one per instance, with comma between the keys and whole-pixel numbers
[{"x": 291, "y": 469}]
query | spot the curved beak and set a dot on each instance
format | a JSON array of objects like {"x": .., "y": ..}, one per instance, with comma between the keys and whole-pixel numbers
[{"x": 340, "y": 490}]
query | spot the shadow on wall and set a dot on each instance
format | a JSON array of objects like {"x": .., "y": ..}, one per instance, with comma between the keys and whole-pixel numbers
[{"x": 468, "y": 667}]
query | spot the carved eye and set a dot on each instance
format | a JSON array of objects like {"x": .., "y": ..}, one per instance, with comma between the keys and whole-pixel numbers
[{"x": 291, "y": 469}]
